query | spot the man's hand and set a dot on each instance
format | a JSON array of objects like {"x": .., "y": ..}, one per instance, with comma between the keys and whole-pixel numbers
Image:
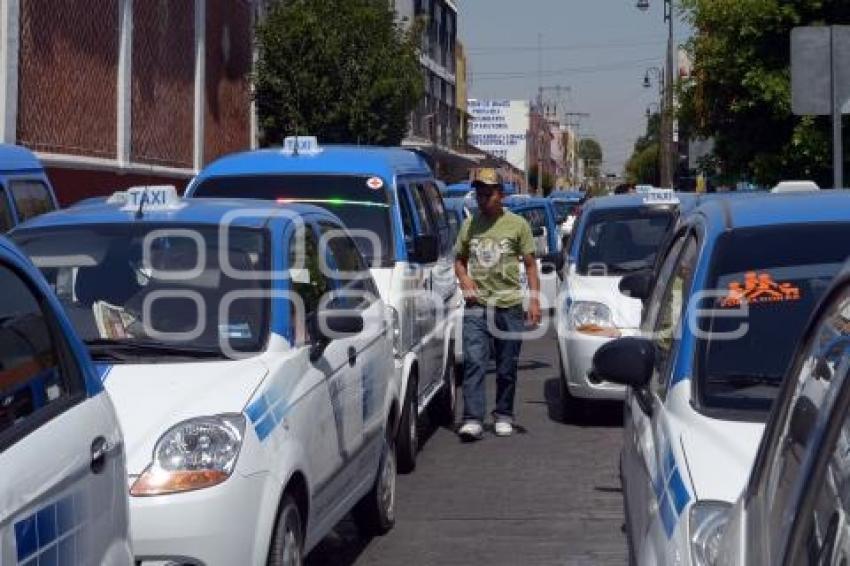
[
  {"x": 469, "y": 289},
  {"x": 534, "y": 315}
]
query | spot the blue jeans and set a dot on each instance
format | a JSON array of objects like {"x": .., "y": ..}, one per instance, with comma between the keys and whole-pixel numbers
[{"x": 477, "y": 338}]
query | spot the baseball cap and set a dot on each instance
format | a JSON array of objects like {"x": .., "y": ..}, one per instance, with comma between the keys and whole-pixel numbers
[{"x": 486, "y": 177}]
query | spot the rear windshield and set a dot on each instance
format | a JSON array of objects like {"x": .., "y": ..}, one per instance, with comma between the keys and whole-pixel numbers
[
  {"x": 623, "y": 240},
  {"x": 31, "y": 198},
  {"x": 363, "y": 209},
  {"x": 779, "y": 273}
]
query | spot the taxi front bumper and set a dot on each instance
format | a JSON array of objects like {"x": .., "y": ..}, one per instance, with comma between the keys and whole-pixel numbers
[
  {"x": 576, "y": 351},
  {"x": 220, "y": 525}
]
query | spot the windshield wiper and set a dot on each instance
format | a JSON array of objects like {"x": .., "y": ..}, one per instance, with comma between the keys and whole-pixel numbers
[
  {"x": 100, "y": 346},
  {"x": 745, "y": 380}
]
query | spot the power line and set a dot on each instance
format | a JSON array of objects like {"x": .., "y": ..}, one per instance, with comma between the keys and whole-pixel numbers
[
  {"x": 575, "y": 46},
  {"x": 504, "y": 75}
]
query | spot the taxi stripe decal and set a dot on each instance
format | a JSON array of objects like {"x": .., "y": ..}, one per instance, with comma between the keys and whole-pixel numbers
[
  {"x": 268, "y": 410},
  {"x": 52, "y": 535},
  {"x": 671, "y": 492}
]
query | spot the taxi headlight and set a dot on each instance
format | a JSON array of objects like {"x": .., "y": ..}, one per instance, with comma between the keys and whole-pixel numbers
[
  {"x": 708, "y": 521},
  {"x": 592, "y": 318},
  {"x": 194, "y": 454}
]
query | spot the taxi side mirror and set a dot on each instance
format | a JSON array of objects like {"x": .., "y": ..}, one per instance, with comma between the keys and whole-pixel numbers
[
  {"x": 637, "y": 285},
  {"x": 426, "y": 249},
  {"x": 627, "y": 361},
  {"x": 538, "y": 231},
  {"x": 551, "y": 263},
  {"x": 332, "y": 324}
]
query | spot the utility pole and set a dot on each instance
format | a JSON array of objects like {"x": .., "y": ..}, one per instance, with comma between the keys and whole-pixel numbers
[{"x": 574, "y": 121}]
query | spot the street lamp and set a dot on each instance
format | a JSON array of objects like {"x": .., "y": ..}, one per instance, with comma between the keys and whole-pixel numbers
[{"x": 643, "y": 5}]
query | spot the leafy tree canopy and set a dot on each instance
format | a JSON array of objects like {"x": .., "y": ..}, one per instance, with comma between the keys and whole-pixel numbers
[
  {"x": 343, "y": 70},
  {"x": 740, "y": 93}
]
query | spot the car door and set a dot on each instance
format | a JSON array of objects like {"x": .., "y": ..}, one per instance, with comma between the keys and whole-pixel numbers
[
  {"x": 63, "y": 479},
  {"x": 648, "y": 463},
  {"x": 424, "y": 300},
  {"x": 368, "y": 375},
  {"x": 328, "y": 419}
]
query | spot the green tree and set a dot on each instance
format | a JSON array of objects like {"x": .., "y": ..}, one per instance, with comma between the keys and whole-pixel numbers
[
  {"x": 643, "y": 167},
  {"x": 343, "y": 70},
  {"x": 591, "y": 152},
  {"x": 740, "y": 93}
]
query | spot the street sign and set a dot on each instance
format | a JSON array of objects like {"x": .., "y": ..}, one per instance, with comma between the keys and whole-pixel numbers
[{"x": 820, "y": 80}]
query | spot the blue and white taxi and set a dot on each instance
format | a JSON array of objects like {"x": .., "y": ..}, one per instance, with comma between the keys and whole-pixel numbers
[
  {"x": 735, "y": 288},
  {"x": 249, "y": 358},
  {"x": 63, "y": 497},
  {"x": 615, "y": 235}
]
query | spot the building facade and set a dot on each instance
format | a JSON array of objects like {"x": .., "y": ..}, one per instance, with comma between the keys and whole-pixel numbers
[{"x": 112, "y": 93}]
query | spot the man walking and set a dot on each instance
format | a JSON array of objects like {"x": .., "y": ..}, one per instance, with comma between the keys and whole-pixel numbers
[{"x": 488, "y": 250}]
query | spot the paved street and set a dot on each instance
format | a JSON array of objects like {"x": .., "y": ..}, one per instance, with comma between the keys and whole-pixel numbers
[{"x": 548, "y": 495}]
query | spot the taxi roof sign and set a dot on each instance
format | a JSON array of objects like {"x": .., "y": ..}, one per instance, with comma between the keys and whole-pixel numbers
[
  {"x": 148, "y": 198},
  {"x": 301, "y": 145},
  {"x": 660, "y": 196}
]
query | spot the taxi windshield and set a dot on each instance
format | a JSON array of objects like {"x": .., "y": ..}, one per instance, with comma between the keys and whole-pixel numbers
[
  {"x": 147, "y": 291},
  {"x": 363, "y": 209},
  {"x": 773, "y": 277},
  {"x": 621, "y": 241}
]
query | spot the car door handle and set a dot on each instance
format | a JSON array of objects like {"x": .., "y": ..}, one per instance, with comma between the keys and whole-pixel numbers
[
  {"x": 99, "y": 450},
  {"x": 352, "y": 356}
]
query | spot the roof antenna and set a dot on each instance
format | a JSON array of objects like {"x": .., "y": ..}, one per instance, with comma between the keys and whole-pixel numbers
[{"x": 142, "y": 200}]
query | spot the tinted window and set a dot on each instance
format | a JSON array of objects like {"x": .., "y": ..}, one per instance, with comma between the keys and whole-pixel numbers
[
  {"x": 6, "y": 220},
  {"x": 31, "y": 198},
  {"x": 352, "y": 275},
  {"x": 309, "y": 282},
  {"x": 536, "y": 218},
  {"x": 31, "y": 376},
  {"x": 779, "y": 273},
  {"x": 620, "y": 241},
  {"x": 361, "y": 208},
  {"x": 421, "y": 210},
  {"x": 435, "y": 204},
  {"x": 122, "y": 300},
  {"x": 564, "y": 209},
  {"x": 671, "y": 306}
]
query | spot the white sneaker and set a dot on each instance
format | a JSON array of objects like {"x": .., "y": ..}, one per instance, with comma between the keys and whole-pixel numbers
[
  {"x": 503, "y": 428},
  {"x": 471, "y": 430}
]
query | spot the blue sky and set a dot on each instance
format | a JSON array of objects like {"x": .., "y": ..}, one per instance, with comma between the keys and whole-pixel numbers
[{"x": 601, "y": 49}]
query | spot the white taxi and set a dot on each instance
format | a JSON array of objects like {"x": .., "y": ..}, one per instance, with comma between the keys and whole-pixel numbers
[
  {"x": 615, "y": 236},
  {"x": 248, "y": 356},
  {"x": 737, "y": 283},
  {"x": 63, "y": 498}
]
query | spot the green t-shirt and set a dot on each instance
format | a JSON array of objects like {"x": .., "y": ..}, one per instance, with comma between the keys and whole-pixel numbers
[{"x": 493, "y": 249}]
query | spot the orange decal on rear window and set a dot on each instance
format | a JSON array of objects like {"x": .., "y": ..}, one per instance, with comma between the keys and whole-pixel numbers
[{"x": 759, "y": 288}]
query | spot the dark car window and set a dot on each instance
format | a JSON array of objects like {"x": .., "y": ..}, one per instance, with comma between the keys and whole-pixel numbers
[
  {"x": 777, "y": 274},
  {"x": 7, "y": 221},
  {"x": 564, "y": 209},
  {"x": 351, "y": 274},
  {"x": 309, "y": 282},
  {"x": 615, "y": 242},
  {"x": 362, "y": 208},
  {"x": 33, "y": 378},
  {"x": 31, "y": 198}
]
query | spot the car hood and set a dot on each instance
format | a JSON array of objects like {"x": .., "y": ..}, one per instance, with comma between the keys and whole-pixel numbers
[
  {"x": 151, "y": 398},
  {"x": 606, "y": 290},
  {"x": 720, "y": 456}
]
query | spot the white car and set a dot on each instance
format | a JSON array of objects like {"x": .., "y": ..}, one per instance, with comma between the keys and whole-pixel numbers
[
  {"x": 250, "y": 361},
  {"x": 731, "y": 298},
  {"x": 795, "y": 508},
  {"x": 63, "y": 496},
  {"x": 616, "y": 235}
]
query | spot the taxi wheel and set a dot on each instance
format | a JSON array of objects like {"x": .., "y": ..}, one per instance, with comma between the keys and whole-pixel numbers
[
  {"x": 374, "y": 515},
  {"x": 287, "y": 547},
  {"x": 408, "y": 431},
  {"x": 446, "y": 403}
]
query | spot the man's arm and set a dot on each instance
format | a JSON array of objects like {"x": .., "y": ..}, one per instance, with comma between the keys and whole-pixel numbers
[
  {"x": 467, "y": 285},
  {"x": 533, "y": 287}
]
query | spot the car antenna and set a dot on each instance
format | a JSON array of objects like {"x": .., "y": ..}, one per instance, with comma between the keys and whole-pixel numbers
[{"x": 139, "y": 213}]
